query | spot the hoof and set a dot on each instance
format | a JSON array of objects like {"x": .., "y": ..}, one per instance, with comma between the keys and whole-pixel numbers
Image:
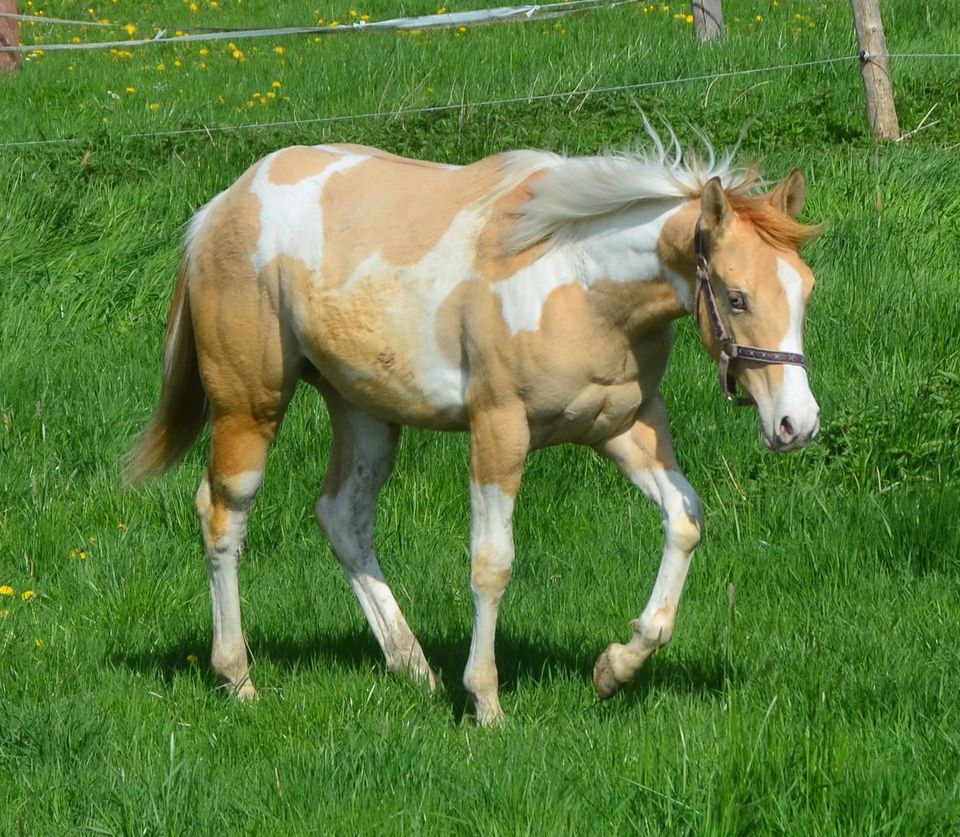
[
  {"x": 246, "y": 693},
  {"x": 419, "y": 673},
  {"x": 489, "y": 714},
  {"x": 425, "y": 675},
  {"x": 604, "y": 680},
  {"x": 243, "y": 692}
]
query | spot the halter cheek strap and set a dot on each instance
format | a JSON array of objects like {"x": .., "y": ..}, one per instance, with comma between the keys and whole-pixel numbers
[{"x": 730, "y": 350}]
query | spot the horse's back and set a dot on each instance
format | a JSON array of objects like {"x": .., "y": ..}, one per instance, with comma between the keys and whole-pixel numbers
[{"x": 364, "y": 258}]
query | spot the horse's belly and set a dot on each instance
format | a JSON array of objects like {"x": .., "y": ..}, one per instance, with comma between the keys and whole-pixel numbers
[{"x": 385, "y": 357}]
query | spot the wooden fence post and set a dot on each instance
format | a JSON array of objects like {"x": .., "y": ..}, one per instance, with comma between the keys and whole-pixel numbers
[
  {"x": 9, "y": 36},
  {"x": 875, "y": 67},
  {"x": 707, "y": 19}
]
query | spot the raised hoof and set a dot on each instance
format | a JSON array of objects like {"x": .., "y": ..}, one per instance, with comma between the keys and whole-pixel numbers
[{"x": 605, "y": 682}]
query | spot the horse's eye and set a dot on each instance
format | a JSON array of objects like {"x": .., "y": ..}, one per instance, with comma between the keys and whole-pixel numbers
[{"x": 738, "y": 301}]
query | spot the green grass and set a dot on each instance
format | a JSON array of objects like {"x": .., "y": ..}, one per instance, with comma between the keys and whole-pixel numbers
[{"x": 823, "y": 700}]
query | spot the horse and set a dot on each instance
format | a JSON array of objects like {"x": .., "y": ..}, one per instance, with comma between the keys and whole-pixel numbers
[{"x": 528, "y": 299}]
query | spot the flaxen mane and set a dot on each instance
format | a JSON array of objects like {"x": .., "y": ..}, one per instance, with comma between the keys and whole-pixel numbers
[{"x": 577, "y": 189}]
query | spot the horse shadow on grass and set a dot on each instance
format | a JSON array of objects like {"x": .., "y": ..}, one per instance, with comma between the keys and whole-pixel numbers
[{"x": 519, "y": 661}]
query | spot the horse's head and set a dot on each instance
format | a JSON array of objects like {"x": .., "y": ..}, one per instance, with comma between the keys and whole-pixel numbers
[{"x": 750, "y": 250}]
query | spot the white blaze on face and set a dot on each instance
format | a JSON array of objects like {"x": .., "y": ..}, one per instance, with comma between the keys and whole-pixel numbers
[{"x": 795, "y": 402}]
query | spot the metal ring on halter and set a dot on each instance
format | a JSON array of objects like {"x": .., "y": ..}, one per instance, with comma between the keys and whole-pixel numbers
[{"x": 730, "y": 350}]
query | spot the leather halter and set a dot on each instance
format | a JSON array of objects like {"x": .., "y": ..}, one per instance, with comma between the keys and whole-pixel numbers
[{"x": 730, "y": 350}]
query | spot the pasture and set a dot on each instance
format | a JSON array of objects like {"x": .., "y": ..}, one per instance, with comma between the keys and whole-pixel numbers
[{"x": 812, "y": 683}]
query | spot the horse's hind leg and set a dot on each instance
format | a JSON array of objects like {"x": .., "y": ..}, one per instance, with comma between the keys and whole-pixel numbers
[
  {"x": 239, "y": 447},
  {"x": 361, "y": 460}
]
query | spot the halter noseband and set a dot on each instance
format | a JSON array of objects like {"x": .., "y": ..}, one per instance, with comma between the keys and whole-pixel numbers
[{"x": 730, "y": 350}]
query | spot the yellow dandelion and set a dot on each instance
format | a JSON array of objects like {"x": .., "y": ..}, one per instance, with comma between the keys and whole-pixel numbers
[
  {"x": 276, "y": 85},
  {"x": 6, "y": 590},
  {"x": 204, "y": 51},
  {"x": 177, "y": 63},
  {"x": 279, "y": 50},
  {"x": 75, "y": 40},
  {"x": 365, "y": 18},
  {"x": 759, "y": 18},
  {"x": 689, "y": 18},
  {"x": 352, "y": 13},
  {"x": 238, "y": 54},
  {"x": 202, "y": 65},
  {"x": 83, "y": 555},
  {"x": 26, "y": 595},
  {"x": 131, "y": 29},
  {"x": 121, "y": 525},
  {"x": 194, "y": 7},
  {"x": 192, "y": 659},
  {"x": 40, "y": 643}
]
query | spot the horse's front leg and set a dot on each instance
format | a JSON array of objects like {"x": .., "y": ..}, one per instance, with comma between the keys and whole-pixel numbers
[
  {"x": 644, "y": 454},
  {"x": 500, "y": 440}
]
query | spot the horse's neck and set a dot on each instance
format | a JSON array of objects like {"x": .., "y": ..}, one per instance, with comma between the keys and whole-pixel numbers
[{"x": 620, "y": 264}]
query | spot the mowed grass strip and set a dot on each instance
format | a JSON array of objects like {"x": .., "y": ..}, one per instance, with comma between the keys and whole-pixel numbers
[{"x": 811, "y": 686}]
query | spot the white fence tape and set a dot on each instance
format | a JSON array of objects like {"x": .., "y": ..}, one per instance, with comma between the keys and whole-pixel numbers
[{"x": 398, "y": 24}]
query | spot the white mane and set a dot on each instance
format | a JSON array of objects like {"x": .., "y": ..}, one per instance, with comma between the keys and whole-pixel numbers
[{"x": 579, "y": 188}]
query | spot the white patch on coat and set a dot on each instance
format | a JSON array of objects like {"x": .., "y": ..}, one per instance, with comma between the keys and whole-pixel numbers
[
  {"x": 620, "y": 249},
  {"x": 291, "y": 214}
]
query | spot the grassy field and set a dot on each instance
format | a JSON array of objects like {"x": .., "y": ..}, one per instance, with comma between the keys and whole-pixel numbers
[{"x": 812, "y": 685}]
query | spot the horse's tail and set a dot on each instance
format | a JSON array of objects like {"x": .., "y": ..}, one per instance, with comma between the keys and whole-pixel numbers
[{"x": 183, "y": 408}]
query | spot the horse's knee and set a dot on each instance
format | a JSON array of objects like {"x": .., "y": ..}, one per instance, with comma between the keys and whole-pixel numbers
[{"x": 491, "y": 572}]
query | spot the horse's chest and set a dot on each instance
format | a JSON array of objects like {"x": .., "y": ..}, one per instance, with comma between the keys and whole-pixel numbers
[{"x": 597, "y": 400}]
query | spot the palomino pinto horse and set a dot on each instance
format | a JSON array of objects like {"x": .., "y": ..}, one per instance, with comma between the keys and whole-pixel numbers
[{"x": 527, "y": 299}]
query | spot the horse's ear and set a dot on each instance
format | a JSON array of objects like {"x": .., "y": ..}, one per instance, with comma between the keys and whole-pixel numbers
[
  {"x": 790, "y": 194},
  {"x": 714, "y": 207}
]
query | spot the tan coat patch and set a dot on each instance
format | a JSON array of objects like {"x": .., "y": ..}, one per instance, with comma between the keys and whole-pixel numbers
[
  {"x": 297, "y": 163},
  {"x": 407, "y": 218}
]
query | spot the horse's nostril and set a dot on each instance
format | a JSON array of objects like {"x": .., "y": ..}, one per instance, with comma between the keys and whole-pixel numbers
[{"x": 786, "y": 429}]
